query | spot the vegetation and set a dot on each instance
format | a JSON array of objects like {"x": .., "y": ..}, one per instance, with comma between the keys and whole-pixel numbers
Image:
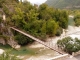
[
  {"x": 23, "y": 40},
  {"x": 7, "y": 56},
  {"x": 68, "y": 4},
  {"x": 77, "y": 20},
  {"x": 1, "y": 2},
  {"x": 41, "y": 22},
  {"x": 69, "y": 45},
  {"x": 76, "y": 14}
]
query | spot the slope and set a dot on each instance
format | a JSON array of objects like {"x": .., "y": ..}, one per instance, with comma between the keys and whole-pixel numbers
[{"x": 70, "y": 4}]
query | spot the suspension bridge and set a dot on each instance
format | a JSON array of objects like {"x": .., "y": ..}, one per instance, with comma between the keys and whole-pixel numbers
[{"x": 49, "y": 44}]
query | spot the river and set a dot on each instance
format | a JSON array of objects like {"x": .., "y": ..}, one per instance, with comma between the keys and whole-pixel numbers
[{"x": 34, "y": 51}]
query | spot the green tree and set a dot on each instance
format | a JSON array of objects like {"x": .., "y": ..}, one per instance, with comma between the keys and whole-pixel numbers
[
  {"x": 1, "y": 3},
  {"x": 59, "y": 31},
  {"x": 61, "y": 17},
  {"x": 23, "y": 40},
  {"x": 45, "y": 12},
  {"x": 51, "y": 27},
  {"x": 77, "y": 20},
  {"x": 69, "y": 45},
  {"x": 18, "y": 18},
  {"x": 32, "y": 15}
]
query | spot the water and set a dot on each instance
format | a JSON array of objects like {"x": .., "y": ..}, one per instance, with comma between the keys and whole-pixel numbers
[
  {"x": 27, "y": 52},
  {"x": 71, "y": 21},
  {"x": 22, "y": 51}
]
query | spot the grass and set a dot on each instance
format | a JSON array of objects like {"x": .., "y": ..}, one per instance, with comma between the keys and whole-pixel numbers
[{"x": 21, "y": 51}]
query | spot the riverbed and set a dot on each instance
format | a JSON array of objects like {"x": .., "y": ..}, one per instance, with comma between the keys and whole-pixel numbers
[{"x": 34, "y": 51}]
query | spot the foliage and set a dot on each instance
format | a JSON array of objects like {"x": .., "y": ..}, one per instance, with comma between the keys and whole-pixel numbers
[
  {"x": 59, "y": 31},
  {"x": 69, "y": 45},
  {"x": 77, "y": 20},
  {"x": 45, "y": 12},
  {"x": 1, "y": 2},
  {"x": 51, "y": 27},
  {"x": 39, "y": 21},
  {"x": 7, "y": 56},
  {"x": 22, "y": 40},
  {"x": 61, "y": 17},
  {"x": 18, "y": 17}
]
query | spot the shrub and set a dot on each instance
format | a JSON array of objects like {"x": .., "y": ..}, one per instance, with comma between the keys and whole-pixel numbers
[
  {"x": 22, "y": 40},
  {"x": 7, "y": 56},
  {"x": 69, "y": 45},
  {"x": 59, "y": 31}
]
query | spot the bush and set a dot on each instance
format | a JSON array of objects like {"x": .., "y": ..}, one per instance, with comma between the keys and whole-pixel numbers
[
  {"x": 23, "y": 40},
  {"x": 7, "y": 56},
  {"x": 77, "y": 20},
  {"x": 69, "y": 45},
  {"x": 59, "y": 31}
]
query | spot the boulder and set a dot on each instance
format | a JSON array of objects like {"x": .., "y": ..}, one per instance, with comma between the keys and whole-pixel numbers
[
  {"x": 2, "y": 41},
  {"x": 1, "y": 51},
  {"x": 17, "y": 46}
]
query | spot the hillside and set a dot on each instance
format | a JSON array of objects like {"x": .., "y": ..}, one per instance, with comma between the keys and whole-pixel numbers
[{"x": 69, "y": 4}]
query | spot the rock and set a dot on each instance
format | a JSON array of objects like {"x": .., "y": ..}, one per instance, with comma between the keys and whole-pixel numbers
[
  {"x": 1, "y": 51},
  {"x": 2, "y": 41},
  {"x": 17, "y": 46}
]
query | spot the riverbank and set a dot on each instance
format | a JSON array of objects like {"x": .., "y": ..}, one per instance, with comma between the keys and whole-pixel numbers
[
  {"x": 40, "y": 52},
  {"x": 72, "y": 31}
]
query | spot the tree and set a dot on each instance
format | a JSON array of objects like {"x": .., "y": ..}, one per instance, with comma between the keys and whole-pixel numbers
[
  {"x": 1, "y": 3},
  {"x": 21, "y": 39},
  {"x": 77, "y": 20},
  {"x": 51, "y": 27},
  {"x": 44, "y": 12},
  {"x": 59, "y": 31},
  {"x": 43, "y": 29},
  {"x": 61, "y": 17},
  {"x": 43, "y": 6},
  {"x": 32, "y": 15},
  {"x": 69, "y": 45},
  {"x": 18, "y": 18}
]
